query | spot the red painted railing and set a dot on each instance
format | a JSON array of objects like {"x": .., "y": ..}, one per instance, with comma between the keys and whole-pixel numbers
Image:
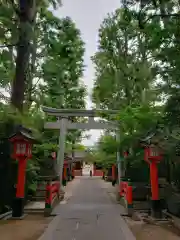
[
  {"x": 97, "y": 173},
  {"x": 78, "y": 172},
  {"x": 52, "y": 193},
  {"x": 126, "y": 191}
]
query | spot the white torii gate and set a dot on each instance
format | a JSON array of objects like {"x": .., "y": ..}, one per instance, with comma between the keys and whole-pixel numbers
[{"x": 64, "y": 123}]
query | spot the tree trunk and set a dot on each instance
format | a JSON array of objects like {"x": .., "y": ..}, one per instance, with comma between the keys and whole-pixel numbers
[
  {"x": 127, "y": 89},
  {"x": 31, "y": 68},
  {"x": 26, "y": 17}
]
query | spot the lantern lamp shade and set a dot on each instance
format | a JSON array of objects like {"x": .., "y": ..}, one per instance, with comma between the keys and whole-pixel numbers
[
  {"x": 125, "y": 154},
  {"x": 152, "y": 153},
  {"x": 53, "y": 154},
  {"x": 67, "y": 160},
  {"x": 22, "y": 143},
  {"x": 65, "y": 163}
]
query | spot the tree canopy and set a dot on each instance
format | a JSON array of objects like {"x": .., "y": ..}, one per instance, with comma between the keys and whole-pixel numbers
[
  {"x": 41, "y": 63},
  {"x": 137, "y": 73}
]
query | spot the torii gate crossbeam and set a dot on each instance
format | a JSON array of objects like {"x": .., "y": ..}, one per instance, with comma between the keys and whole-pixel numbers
[{"x": 63, "y": 124}]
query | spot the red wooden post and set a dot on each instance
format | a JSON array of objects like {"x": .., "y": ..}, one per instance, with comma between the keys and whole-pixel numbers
[
  {"x": 21, "y": 178},
  {"x": 121, "y": 189},
  {"x": 152, "y": 157},
  {"x": 154, "y": 181},
  {"x": 129, "y": 198},
  {"x": 129, "y": 195},
  {"x": 113, "y": 172},
  {"x": 94, "y": 169},
  {"x": 65, "y": 172},
  {"x": 48, "y": 200},
  {"x": 73, "y": 174}
]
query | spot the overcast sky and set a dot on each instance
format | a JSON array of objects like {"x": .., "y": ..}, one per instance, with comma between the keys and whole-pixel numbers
[{"x": 88, "y": 16}]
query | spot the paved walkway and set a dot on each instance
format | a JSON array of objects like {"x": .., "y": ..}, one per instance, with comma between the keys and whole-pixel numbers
[{"x": 89, "y": 214}]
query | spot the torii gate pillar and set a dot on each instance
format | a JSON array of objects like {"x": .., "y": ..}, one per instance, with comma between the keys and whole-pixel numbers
[{"x": 63, "y": 124}]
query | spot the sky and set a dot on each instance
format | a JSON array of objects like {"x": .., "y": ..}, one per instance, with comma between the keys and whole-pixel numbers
[{"x": 88, "y": 15}]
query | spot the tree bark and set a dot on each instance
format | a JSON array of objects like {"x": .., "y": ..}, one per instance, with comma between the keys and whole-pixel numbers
[
  {"x": 31, "y": 68},
  {"x": 26, "y": 16}
]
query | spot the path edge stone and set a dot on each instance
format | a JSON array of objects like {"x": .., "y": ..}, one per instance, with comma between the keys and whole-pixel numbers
[
  {"x": 128, "y": 235},
  {"x": 48, "y": 233}
]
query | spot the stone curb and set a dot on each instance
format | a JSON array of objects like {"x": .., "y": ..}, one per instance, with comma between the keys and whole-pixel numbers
[
  {"x": 128, "y": 235},
  {"x": 48, "y": 233}
]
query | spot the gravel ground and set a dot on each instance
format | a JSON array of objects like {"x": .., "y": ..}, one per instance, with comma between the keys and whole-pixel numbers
[
  {"x": 32, "y": 226},
  {"x": 146, "y": 231}
]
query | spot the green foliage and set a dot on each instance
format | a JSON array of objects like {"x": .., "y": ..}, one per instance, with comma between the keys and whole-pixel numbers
[
  {"x": 107, "y": 144},
  {"x": 105, "y": 152},
  {"x": 137, "y": 72},
  {"x": 55, "y": 67},
  {"x": 123, "y": 72}
]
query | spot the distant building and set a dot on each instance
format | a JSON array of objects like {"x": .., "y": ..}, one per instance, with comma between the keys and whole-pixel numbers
[{"x": 78, "y": 159}]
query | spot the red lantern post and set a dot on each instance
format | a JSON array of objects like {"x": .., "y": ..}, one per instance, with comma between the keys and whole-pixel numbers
[
  {"x": 94, "y": 169},
  {"x": 153, "y": 157},
  {"x": 125, "y": 154},
  {"x": 65, "y": 173},
  {"x": 113, "y": 174},
  {"x": 72, "y": 172},
  {"x": 22, "y": 151},
  {"x": 53, "y": 154}
]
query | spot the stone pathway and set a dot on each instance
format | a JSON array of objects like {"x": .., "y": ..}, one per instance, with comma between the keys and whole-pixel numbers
[
  {"x": 88, "y": 214},
  {"x": 35, "y": 206}
]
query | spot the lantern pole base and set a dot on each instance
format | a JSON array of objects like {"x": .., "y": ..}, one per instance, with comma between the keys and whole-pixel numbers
[
  {"x": 18, "y": 208},
  {"x": 113, "y": 183},
  {"x": 156, "y": 209},
  {"x": 64, "y": 182}
]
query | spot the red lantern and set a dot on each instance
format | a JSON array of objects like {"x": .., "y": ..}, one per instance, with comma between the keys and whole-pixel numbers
[
  {"x": 152, "y": 154},
  {"x": 53, "y": 154},
  {"x": 125, "y": 154},
  {"x": 65, "y": 163},
  {"x": 22, "y": 147}
]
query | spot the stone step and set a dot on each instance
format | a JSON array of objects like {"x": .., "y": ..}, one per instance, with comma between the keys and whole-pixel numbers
[
  {"x": 37, "y": 198},
  {"x": 141, "y": 205},
  {"x": 34, "y": 211},
  {"x": 40, "y": 194},
  {"x": 34, "y": 206}
]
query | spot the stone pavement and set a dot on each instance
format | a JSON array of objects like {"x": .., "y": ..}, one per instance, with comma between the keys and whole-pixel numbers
[{"x": 89, "y": 214}]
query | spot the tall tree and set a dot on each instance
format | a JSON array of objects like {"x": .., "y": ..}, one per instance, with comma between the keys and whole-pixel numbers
[
  {"x": 137, "y": 66},
  {"x": 63, "y": 67},
  {"x": 24, "y": 13},
  {"x": 123, "y": 71}
]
